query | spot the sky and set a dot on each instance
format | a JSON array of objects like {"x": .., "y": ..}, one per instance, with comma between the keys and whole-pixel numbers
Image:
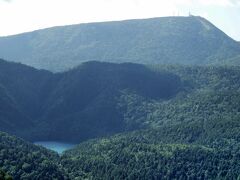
[{"x": 17, "y": 16}]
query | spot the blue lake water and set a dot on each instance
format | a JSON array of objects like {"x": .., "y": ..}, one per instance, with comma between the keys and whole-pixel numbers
[{"x": 59, "y": 147}]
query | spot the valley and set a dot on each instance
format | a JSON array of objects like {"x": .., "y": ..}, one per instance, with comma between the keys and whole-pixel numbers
[
  {"x": 159, "y": 112},
  {"x": 138, "y": 99},
  {"x": 59, "y": 147}
]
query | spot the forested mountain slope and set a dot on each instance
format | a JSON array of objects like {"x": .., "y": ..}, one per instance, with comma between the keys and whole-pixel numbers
[
  {"x": 185, "y": 151},
  {"x": 192, "y": 136},
  {"x": 185, "y": 121},
  {"x": 21, "y": 93},
  {"x": 166, "y": 40},
  {"x": 80, "y": 104},
  {"x": 100, "y": 99},
  {"x": 164, "y": 153},
  {"x": 23, "y": 160}
]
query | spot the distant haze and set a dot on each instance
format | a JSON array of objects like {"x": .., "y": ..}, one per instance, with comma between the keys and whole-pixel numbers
[{"x": 19, "y": 16}]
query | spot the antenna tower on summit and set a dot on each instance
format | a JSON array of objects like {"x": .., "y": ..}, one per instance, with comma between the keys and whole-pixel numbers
[{"x": 190, "y": 14}]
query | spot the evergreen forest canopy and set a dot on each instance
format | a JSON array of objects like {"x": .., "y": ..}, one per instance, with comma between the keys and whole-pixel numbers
[
  {"x": 181, "y": 115},
  {"x": 167, "y": 40},
  {"x": 175, "y": 116}
]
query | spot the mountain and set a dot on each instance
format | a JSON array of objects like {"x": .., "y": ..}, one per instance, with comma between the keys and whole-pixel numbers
[
  {"x": 100, "y": 99},
  {"x": 23, "y": 160},
  {"x": 167, "y": 40},
  {"x": 79, "y": 104},
  {"x": 192, "y": 136},
  {"x": 151, "y": 121},
  {"x": 21, "y": 88}
]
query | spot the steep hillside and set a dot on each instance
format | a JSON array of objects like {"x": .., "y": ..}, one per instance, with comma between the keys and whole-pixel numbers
[
  {"x": 21, "y": 93},
  {"x": 100, "y": 99},
  {"x": 79, "y": 104},
  {"x": 84, "y": 103},
  {"x": 196, "y": 139},
  {"x": 23, "y": 160},
  {"x": 168, "y": 40},
  {"x": 25, "y": 85},
  {"x": 176, "y": 122}
]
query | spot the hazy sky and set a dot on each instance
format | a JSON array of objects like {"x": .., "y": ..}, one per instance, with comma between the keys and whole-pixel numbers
[{"x": 18, "y": 16}]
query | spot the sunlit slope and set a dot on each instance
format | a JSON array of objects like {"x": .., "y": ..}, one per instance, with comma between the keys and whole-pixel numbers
[{"x": 169, "y": 40}]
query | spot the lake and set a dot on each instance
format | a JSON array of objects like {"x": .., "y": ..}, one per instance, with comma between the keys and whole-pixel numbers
[{"x": 59, "y": 147}]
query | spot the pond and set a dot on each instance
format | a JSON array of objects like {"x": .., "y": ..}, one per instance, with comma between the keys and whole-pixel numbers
[{"x": 59, "y": 147}]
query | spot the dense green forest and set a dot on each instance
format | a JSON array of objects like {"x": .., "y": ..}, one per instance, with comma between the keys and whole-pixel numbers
[
  {"x": 176, "y": 115},
  {"x": 166, "y": 40},
  {"x": 192, "y": 136},
  {"x": 23, "y": 160},
  {"x": 148, "y": 155},
  {"x": 187, "y": 150},
  {"x": 4, "y": 176},
  {"x": 100, "y": 99},
  {"x": 76, "y": 105},
  {"x": 148, "y": 121}
]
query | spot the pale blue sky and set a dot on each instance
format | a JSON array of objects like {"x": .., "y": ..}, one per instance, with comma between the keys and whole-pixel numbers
[{"x": 17, "y": 16}]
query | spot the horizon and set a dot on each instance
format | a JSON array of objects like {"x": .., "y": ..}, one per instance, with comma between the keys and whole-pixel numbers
[
  {"x": 37, "y": 15},
  {"x": 190, "y": 15}
]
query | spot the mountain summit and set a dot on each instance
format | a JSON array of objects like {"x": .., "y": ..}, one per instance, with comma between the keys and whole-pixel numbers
[{"x": 167, "y": 40}]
